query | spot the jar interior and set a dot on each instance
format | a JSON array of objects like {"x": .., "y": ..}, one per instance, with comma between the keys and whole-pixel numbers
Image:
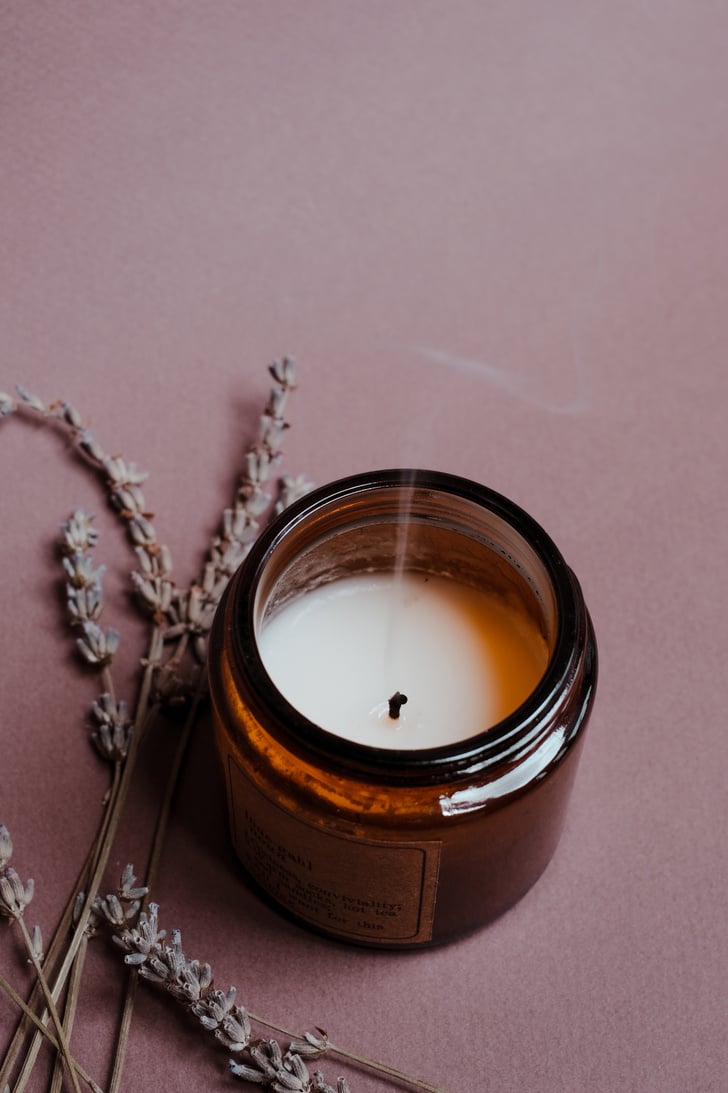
[{"x": 413, "y": 530}]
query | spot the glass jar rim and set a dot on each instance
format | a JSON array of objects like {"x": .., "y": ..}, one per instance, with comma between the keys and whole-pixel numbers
[{"x": 499, "y": 743}]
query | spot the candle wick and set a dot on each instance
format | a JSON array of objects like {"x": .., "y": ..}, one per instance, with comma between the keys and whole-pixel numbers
[{"x": 395, "y": 704}]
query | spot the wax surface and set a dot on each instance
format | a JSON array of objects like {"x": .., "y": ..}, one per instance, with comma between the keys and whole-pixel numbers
[{"x": 465, "y": 659}]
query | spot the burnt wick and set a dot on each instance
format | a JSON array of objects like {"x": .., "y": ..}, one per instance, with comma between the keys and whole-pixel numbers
[{"x": 396, "y": 702}]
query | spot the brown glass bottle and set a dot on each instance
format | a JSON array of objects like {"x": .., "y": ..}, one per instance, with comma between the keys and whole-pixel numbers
[{"x": 399, "y": 848}]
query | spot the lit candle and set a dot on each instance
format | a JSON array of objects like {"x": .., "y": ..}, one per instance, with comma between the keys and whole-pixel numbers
[
  {"x": 403, "y": 661},
  {"x": 470, "y": 677}
]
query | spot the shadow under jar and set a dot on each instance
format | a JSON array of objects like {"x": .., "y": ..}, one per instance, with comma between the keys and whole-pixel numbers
[{"x": 405, "y": 844}]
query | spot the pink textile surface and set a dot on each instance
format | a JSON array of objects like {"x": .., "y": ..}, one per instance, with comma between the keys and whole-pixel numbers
[{"x": 495, "y": 237}]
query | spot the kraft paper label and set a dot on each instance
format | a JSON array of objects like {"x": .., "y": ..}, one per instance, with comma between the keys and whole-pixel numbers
[{"x": 359, "y": 889}]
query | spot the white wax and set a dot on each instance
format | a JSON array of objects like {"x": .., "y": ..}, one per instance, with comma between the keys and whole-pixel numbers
[{"x": 464, "y": 658}]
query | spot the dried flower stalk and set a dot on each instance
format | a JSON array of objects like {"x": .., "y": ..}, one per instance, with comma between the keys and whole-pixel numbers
[
  {"x": 173, "y": 672},
  {"x": 154, "y": 585},
  {"x": 14, "y": 898},
  {"x": 190, "y": 982}
]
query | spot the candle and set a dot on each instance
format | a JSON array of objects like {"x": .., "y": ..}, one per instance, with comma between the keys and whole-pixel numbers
[
  {"x": 463, "y": 658},
  {"x": 468, "y": 680}
]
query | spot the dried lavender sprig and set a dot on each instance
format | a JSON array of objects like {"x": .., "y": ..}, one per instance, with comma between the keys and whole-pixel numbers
[
  {"x": 14, "y": 898},
  {"x": 124, "y": 484},
  {"x": 14, "y": 894},
  {"x": 269, "y": 1066},
  {"x": 184, "y": 615},
  {"x": 191, "y": 983},
  {"x": 28, "y": 1009},
  {"x": 190, "y": 612},
  {"x": 99, "y": 855},
  {"x": 84, "y": 600},
  {"x": 362, "y": 1060},
  {"x": 122, "y": 479},
  {"x": 164, "y": 964},
  {"x": 241, "y": 523},
  {"x": 84, "y": 597},
  {"x": 84, "y": 593}
]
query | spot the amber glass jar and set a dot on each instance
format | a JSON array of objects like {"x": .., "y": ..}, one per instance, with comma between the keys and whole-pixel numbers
[{"x": 387, "y": 847}]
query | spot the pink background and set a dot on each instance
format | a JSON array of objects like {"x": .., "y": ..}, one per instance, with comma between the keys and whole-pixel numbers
[{"x": 495, "y": 236}]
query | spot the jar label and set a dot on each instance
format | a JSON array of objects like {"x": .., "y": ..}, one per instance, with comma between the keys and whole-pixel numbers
[{"x": 357, "y": 889}]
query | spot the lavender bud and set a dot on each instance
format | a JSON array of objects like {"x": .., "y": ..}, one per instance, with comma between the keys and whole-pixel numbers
[
  {"x": 97, "y": 647},
  {"x": 6, "y": 846},
  {"x": 71, "y": 415},
  {"x": 78, "y": 533},
  {"x": 14, "y": 895},
  {"x": 284, "y": 372},
  {"x": 92, "y": 449},
  {"x": 164, "y": 560},
  {"x": 142, "y": 531},
  {"x": 31, "y": 400}
]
